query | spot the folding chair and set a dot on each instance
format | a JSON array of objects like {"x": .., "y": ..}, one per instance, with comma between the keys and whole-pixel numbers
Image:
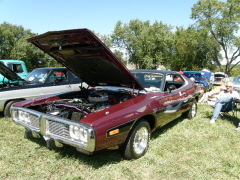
[{"x": 229, "y": 108}]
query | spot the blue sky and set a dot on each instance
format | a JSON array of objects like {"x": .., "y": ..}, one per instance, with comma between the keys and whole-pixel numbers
[{"x": 100, "y": 16}]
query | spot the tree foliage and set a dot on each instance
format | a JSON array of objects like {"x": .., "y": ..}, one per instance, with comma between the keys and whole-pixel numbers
[
  {"x": 221, "y": 20},
  {"x": 14, "y": 45},
  {"x": 190, "y": 52},
  {"x": 146, "y": 45}
]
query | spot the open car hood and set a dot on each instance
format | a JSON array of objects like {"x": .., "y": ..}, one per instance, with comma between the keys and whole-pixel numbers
[
  {"x": 87, "y": 56},
  {"x": 8, "y": 73}
]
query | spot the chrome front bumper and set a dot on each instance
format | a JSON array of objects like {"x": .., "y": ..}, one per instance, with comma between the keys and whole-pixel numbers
[{"x": 54, "y": 128}]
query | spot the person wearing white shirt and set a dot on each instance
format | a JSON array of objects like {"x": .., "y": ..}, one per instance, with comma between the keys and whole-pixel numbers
[{"x": 223, "y": 98}]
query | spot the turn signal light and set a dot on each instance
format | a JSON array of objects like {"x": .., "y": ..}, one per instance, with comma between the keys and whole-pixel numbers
[{"x": 113, "y": 132}]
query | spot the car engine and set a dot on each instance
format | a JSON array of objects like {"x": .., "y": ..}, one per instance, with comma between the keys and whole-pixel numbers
[{"x": 77, "y": 108}]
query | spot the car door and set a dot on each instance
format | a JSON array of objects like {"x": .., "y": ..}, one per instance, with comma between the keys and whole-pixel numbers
[
  {"x": 171, "y": 102},
  {"x": 60, "y": 81}
]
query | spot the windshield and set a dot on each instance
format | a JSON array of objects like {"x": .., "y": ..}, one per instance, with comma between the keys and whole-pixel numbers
[
  {"x": 37, "y": 76},
  {"x": 194, "y": 75},
  {"x": 151, "y": 82}
]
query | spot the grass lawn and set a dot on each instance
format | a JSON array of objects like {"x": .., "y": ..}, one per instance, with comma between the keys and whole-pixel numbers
[{"x": 184, "y": 149}]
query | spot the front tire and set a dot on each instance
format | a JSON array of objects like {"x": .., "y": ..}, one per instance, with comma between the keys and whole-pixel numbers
[
  {"x": 7, "y": 109},
  {"x": 137, "y": 142}
]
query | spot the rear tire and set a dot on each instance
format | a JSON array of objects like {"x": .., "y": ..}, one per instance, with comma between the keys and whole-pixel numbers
[
  {"x": 7, "y": 109},
  {"x": 137, "y": 142},
  {"x": 192, "y": 112}
]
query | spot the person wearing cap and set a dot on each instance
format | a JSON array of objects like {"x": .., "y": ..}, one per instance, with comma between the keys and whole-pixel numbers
[{"x": 224, "y": 97}]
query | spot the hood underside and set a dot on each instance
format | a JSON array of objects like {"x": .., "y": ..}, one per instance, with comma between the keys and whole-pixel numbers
[
  {"x": 86, "y": 55},
  {"x": 8, "y": 73}
]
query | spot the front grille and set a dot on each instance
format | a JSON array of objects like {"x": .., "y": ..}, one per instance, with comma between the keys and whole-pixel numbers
[
  {"x": 58, "y": 128},
  {"x": 34, "y": 121}
]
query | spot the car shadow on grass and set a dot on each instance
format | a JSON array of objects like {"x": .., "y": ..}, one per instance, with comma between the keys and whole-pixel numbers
[
  {"x": 96, "y": 161},
  {"x": 165, "y": 128},
  {"x": 110, "y": 156},
  {"x": 1, "y": 115}
]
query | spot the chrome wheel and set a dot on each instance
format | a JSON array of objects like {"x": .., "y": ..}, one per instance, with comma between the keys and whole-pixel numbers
[
  {"x": 137, "y": 142},
  {"x": 194, "y": 110},
  {"x": 140, "y": 141}
]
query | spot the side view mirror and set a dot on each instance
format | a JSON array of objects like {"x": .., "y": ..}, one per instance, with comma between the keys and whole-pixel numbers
[{"x": 171, "y": 88}]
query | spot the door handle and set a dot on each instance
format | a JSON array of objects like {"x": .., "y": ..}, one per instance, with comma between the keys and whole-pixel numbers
[{"x": 182, "y": 94}]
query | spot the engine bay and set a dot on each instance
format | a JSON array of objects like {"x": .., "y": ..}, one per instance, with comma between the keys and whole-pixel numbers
[{"x": 84, "y": 103}]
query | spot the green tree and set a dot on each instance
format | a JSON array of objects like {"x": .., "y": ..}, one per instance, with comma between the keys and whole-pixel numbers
[
  {"x": 120, "y": 56},
  {"x": 146, "y": 45},
  {"x": 14, "y": 45},
  {"x": 221, "y": 19},
  {"x": 106, "y": 39},
  {"x": 190, "y": 52}
]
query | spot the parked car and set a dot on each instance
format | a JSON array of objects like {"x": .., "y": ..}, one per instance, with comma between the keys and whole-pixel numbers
[
  {"x": 7, "y": 78},
  {"x": 208, "y": 74},
  {"x": 218, "y": 76},
  {"x": 236, "y": 83},
  {"x": 122, "y": 108},
  {"x": 200, "y": 79},
  {"x": 41, "y": 81}
]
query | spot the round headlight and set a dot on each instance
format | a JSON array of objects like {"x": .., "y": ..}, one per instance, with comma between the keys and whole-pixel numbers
[
  {"x": 79, "y": 133},
  {"x": 24, "y": 117},
  {"x": 83, "y": 135},
  {"x": 76, "y": 131}
]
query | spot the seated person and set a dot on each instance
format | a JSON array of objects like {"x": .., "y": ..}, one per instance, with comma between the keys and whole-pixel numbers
[
  {"x": 224, "y": 97},
  {"x": 215, "y": 91}
]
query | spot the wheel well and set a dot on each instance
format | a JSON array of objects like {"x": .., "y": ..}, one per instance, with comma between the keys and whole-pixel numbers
[
  {"x": 150, "y": 119},
  {"x": 12, "y": 100},
  {"x": 197, "y": 98}
]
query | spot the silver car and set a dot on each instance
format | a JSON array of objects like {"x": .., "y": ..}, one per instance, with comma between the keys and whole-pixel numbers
[{"x": 40, "y": 82}]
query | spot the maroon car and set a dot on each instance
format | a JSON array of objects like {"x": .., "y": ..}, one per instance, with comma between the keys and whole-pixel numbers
[{"x": 122, "y": 109}]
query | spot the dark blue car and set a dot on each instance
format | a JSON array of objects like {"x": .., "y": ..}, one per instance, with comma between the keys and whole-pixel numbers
[{"x": 200, "y": 79}]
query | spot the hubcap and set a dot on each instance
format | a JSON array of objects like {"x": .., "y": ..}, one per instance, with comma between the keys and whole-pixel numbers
[
  {"x": 194, "y": 109},
  {"x": 140, "y": 140}
]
